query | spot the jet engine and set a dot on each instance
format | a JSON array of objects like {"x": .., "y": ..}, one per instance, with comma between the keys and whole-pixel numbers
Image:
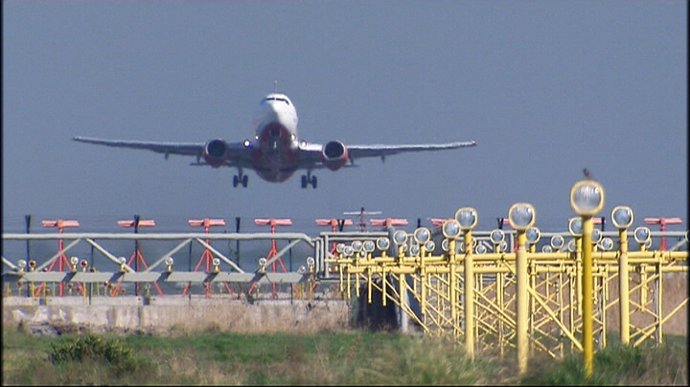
[
  {"x": 216, "y": 152},
  {"x": 334, "y": 155}
]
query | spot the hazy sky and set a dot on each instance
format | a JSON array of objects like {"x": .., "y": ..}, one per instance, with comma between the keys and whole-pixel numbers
[{"x": 545, "y": 88}]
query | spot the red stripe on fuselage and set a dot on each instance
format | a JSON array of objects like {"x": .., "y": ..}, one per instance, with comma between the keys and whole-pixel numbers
[{"x": 274, "y": 159}]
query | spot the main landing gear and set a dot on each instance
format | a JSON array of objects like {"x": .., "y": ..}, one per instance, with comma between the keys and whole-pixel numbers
[
  {"x": 308, "y": 179},
  {"x": 240, "y": 178}
]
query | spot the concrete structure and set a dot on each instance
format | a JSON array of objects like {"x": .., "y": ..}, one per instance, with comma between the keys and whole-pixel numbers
[{"x": 176, "y": 314}]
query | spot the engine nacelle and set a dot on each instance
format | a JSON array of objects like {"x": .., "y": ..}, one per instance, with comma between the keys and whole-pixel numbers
[
  {"x": 216, "y": 152},
  {"x": 334, "y": 155}
]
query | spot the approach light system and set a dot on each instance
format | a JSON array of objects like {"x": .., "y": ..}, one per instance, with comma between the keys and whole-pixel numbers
[
  {"x": 575, "y": 226},
  {"x": 429, "y": 245},
  {"x": 480, "y": 249},
  {"x": 521, "y": 216},
  {"x": 400, "y": 237},
  {"x": 21, "y": 264},
  {"x": 503, "y": 245},
  {"x": 606, "y": 244},
  {"x": 642, "y": 235},
  {"x": 310, "y": 261},
  {"x": 533, "y": 235},
  {"x": 216, "y": 261},
  {"x": 587, "y": 197},
  {"x": 414, "y": 250},
  {"x": 459, "y": 246},
  {"x": 570, "y": 247},
  {"x": 75, "y": 260},
  {"x": 557, "y": 242},
  {"x": 596, "y": 236},
  {"x": 497, "y": 236},
  {"x": 122, "y": 260},
  {"x": 339, "y": 248},
  {"x": 451, "y": 229},
  {"x": 546, "y": 249},
  {"x": 369, "y": 246},
  {"x": 357, "y": 246},
  {"x": 302, "y": 269},
  {"x": 169, "y": 261},
  {"x": 383, "y": 244},
  {"x": 262, "y": 261},
  {"x": 348, "y": 251},
  {"x": 466, "y": 217},
  {"x": 422, "y": 235},
  {"x": 622, "y": 217}
]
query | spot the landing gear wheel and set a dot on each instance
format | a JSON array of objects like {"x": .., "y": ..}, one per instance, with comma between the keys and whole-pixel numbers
[
  {"x": 245, "y": 180},
  {"x": 235, "y": 181},
  {"x": 313, "y": 182},
  {"x": 304, "y": 181}
]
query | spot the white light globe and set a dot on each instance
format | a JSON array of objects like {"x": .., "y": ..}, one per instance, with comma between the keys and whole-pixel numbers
[
  {"x": 521, "y": 216},
  {"x": 622, "y": 216}
]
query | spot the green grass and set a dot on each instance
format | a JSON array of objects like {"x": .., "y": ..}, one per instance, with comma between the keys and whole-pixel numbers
[
  {"x": 355, "y": 357},
  {"x": 618, "y": 364}
]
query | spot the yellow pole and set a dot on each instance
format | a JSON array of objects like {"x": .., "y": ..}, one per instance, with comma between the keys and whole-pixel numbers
[
  {"x": 624, "y": 287},
  {"x": 643, "y": 281},
  {"x": 422, "y": 289},
  {"x": 659, "y": 303},
  {"x": 32, "y": 286},
  {"x": 369, "y": 280},
  {"x": 522, "y": 303},
  {"x": 357, "y": 277},
  {"x": 402, "y": 291},
  {"x": 561, "y": 306},
  {"x": 451, "y": 291},
  {"x": 469, "y": 296},
  {"x": 383, "y": 286},
  {"x": 578, "y": 260},
  {"x": 499, "y": 302},
  {"x": 587, "y": 295}
]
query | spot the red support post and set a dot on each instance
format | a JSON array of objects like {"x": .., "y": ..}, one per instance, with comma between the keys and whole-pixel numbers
[
  {"x": 663, "y": 222},
  {"x": 137, "y": 256},
  {"x": 60, "y": 224},
  {"x": 272, "y": 222},
  {"x": 207, "y": 255}
]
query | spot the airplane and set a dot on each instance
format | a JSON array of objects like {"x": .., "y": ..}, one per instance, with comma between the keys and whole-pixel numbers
[{"x": 276, "y": 152}]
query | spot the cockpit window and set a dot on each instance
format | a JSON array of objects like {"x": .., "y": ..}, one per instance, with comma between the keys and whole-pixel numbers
[{"x": 277, "y": 99}]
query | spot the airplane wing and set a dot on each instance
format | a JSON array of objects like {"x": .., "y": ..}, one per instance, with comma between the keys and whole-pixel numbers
[
  {"x": 237, "y": 155},
  {"x": 360, "y": 151},
  {"x": 312, "y": 156},
  {"x": 167, "y": 148}
]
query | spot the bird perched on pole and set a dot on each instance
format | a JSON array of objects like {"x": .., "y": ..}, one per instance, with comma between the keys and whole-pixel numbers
[{"x": 587, "y": 174}]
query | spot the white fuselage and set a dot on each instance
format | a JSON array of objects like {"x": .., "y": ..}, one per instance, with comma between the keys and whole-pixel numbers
[{"x": 274, "y": 154}]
